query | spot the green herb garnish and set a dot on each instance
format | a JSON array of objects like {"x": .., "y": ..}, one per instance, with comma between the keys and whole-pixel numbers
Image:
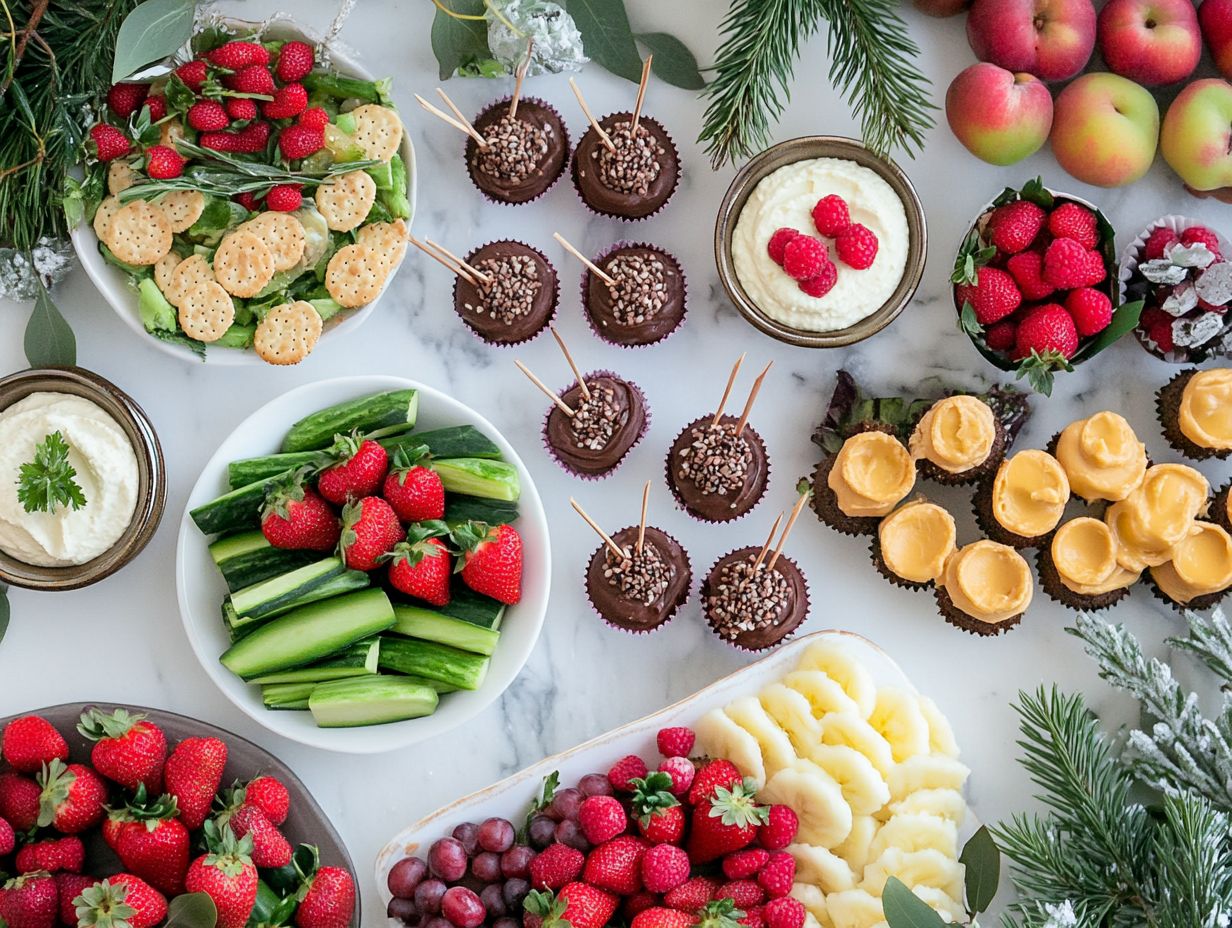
[{"x": 47, "y": 481}]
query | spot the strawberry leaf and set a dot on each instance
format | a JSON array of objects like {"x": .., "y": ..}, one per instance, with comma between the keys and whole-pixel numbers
[
  {"x": 547, "y": 792},
  {"x": 968, "y": 322}
]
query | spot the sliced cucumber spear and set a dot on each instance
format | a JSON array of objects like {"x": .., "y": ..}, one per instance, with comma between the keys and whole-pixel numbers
[
  {"x": 248, "y": 558},
  {"x": 235, "y": 510},
  {"x": 434, "y": 661},
  {"x": 430, "y": 625},
  {"x": 272, "y": 595},
  {"x": 371, "y": 700},
  {"x": 376, "y": 416},
  {"x": 355, "y": 660},
  {"x": 345, "y": 582},
  {"x": 479, "y": 477}
]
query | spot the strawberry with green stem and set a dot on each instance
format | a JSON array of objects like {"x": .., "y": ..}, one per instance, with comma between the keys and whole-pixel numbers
[
  {"x": 357, "y": 470},
  {"x": 579, "y": 905},
  {"x": 727, "y": 822},
  {"x": 294, "y": 516},
  {"x": 420, "y": 565},
  {"x": 30, "y": 742},
  {"x": 660, "y": 816},
  {"x": 722, "y": 913},
  {"x": 128, "y": 748},
  {"x": 29, "y": 901},
  {"x": 151, "y": 841},
  {"x": 72, "y": 797},
  {"x": 370, "y": 530},
  {"x": 413, "y": 489},
  {"x": 227, "y": 875},
  {"x": 120, "y": 900},
  {"x": 491, "y": 560}
]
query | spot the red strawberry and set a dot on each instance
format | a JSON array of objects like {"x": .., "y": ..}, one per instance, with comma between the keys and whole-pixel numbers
[
  {"x": 638, "y": 902},
  {"x": 1046, "y": 330},
  {"x": 993, "y": 296},
  {"x": 370, "y": 530},
  {"x": 30, "y": 742},
  {"x": 681, "y": 771},
  {"x": 664, "y": 867},
  {"x": 1014, "y": 226},
  {"x": 754, "y": 917},
  {"x": 208, "y": 116},
  {"x": 7, "y": 838},
  {"x": 29, "y": 901},
  {"x": 284, "y": 198},
  {"x": 192, "y": 775},
  {"x": 248, "y": 200},
  {"x": 1159, "y": 241},
  {"x": 555, "y": 866},
  {"x": 217, "y": 141},
  {"x": 578, "y": 905},
  {"x": 289, "y": 101},
  {"x": 780, "y": 828},
  {"x": 226, "y": 874},
  {"x": 663, "y": 918},
  {"x": 784, "y": 912},
  {"x": 72, "y": 797},
  {"x": 329, "y": 900},
  {"x": 660, "y": 817},
  {"x": 778, "y": 874},
  {"x": 1090, "y": 309},
  {"x": 193, "y": 74},
  {"x": 675, "y": 742},
  {"x": 235, "y": 56},
  {"x": 151, "y": 842},
  {"x": 1027, "y": 269},
  {"x": 128, "y": 749},
  {"x": 163, "y": 162},
  {"x": 625, "y": 771},
  {"x": 741, "y": 865},
  {"x": 314, "y": 118},
  {"x": 296, "y": 517},
  {"x": 692, "y": 894},
  {"x": 725, "y": 823},
  {"x": 109, "y": 142},
  {"x": 714, "y": 774},
  {"x": 157, "y": 106},
  {"x": 744, "y": 893},
  {"x": 1201, "y": 235},
  {"x": 721, "y": 913},
  {"x": 421, "y": 568},
  {"x": 270, "y": 796},
  {"x": 300, "y": 141},
  {"x": 491, "y": 560},
  {"x": 123, "y": 899},
  {"x": 778, "y": 243},
  {"x": 414, "y": 490},
  {"x": 69, "y": 886},
  {"x": 270, "y": 850},
  {"x": 1000, "y": 336},
  {"x": 602, "y": 818},
  {"x": 53, "y": 855},
  {"x": 125, "y": 99},
  {"x": 251, "y": 139},
  {"x": 360, "y": 469},
  {"x": 240, "y": 109},
  {"x": 831, "y": 216},
  {"x": 254, "y": 79},
  {"x": 663, "y": 826},
  {"x": 1068, "y": 264},
  {"x": 1075, "y": 222},
  {"x": 856, "y": 246},
  {"x": 295, "y": 60},
  {"x": 616, "y": 865},
  {"x": 19, "y": 801}
]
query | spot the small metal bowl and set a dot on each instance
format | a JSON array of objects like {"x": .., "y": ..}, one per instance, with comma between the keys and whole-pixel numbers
[
  {"x": 151, "y": 476},
  {"x": 802, "y": 149}
]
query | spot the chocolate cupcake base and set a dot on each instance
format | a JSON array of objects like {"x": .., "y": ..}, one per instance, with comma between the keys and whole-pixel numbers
[
  {"x": 1197, "y": 604},
  {"x": 1051, "y": 583},
  {"x": 986, "y": 468},
  {"x": 760, "y": 639},
  {"x": 1218, "y": 509},
  {"x": 1168, "y": 408},
  {"x": 639, "y": 618},
  {"x": 711, "y": 508},
  {"x": 969, "y": 623},
  {"x": 596, "y": 305},
  {"x": 552, "y": 167},
  {"x": 640, "y": 409},
  {"x": 492, "y": 331},
  {"x": 981, "y": 504},
  {"x": 883, "y": 568},
  {"x": 630, "y": 207},
  {"x": 825, "y": 504}
]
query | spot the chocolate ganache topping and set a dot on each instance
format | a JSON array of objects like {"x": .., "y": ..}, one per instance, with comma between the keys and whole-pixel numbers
[
  {"x": 602, "y": 429},
  {"x": 639, "y": 592},
  {"x": 754, "y": 608},
  {"x": 520, "y": 299}
]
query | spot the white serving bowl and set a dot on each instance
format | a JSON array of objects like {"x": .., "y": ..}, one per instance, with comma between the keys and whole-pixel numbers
[
  {"x": 113, "y": 283},
  {"x": 201, "y": 589}
]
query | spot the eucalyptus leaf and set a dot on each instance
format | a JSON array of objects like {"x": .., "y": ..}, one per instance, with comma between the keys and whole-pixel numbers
[
  {"x": 673, "y": 62},
  {"x": 982, "y": 859},
  {"x": 904, "y": 909},
  {"x": 151, "y": 32},
  {"x": 191, "y": 910},
  {"x": 459, "y": 44},
  {"x": 49, "y": 340},
  {"x": 607, "y": 35},
  {"x": 5, "y": 611}
]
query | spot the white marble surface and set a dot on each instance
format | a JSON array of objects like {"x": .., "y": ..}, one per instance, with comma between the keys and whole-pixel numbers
[{"x": 122, "y": 640}]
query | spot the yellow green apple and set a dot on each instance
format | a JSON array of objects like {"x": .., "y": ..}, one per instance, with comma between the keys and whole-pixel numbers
[
  {"x": 1197, "y": 133},
  {"x": 1001, "y": 117},
  {"x": 1105, "y": 130}
]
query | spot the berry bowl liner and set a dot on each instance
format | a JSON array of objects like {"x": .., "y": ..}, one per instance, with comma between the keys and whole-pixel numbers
[
  {"x": 469, "y": 145},
  {"x": 1129, "y": 264},
  {"x": 637, "y": 441},
  {"x": 603, "y": 256},
  {"x": 114, "y": 285},
  {"x": 546, "y": 322},
  {"x": 671, "y": 614}
]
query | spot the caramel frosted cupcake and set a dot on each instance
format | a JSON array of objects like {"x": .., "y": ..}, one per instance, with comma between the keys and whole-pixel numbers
[
  {"x": 1219, "y": 512},
  {"x": 525, "y": 155},
  {"x": 603, "y": 428},
  {"x": 985, "y": 588},
  {"x": 646, "y": 302},
  {"x": 958, "y": 441},
  {"x": 1199, "y": 573},
  {"x": 715, "y": 474},
  {"x": 635, "y": 178},
  {"x": 1024, "y": 502},
  {"x": 1102, "y": 457},
  {"x": 1158, "y": 515},
  {"x": 1195, "y": 410},
  {"x": 913, "y": 543},
  {"x": 517, "y": 300},
  {"x": 754, "y": 608},
  {"x": 640, "y": 592},
  {"x": 1079, "y": 568},
  {"x": 871, "y": 474}
]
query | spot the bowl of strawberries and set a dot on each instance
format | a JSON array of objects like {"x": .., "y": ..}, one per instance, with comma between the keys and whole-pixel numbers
[
  {"x": 102, "y": 806},
  {"x": 1035, "y": 283}
]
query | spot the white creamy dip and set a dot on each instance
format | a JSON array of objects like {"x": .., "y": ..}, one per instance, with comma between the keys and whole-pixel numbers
[
  {"x": 786, "y": 197},
  {"x": 107, "y": 473}
]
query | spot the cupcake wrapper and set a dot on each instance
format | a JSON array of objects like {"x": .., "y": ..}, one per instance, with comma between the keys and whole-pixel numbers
[
  {"x": 547, "y": 320},
  {"x": 668, "y": 616},
  {"x": 874, "y": 548},
  {"x": 732, "y": 643},
  {"x": 585, "y": 295},
  {"x": 1197, "y": 604},
  {"x": 970, "y": 624},
  {"x": 671, "y": 483},
  {"x": 824, "y": 502},
  {"x": 981, "y": 505},
  {"x": 996, "y": 454},
  {"x": 611, "y": 470},
  {"x": 470, "y": 144},
  {"x": 1050, "y": 583},
  {"x": 1218, "y": 512},
  {"x": 1167, "y": 410},
  {"x": 573, "y": 175}
]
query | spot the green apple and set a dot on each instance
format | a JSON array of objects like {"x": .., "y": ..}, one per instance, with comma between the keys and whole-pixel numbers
[
  {"x": 1197, "y": 132},
  {"x": 1105, "y": 130}
]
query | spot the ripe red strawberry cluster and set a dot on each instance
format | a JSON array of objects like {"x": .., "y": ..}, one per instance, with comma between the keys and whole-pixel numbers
[
  {"x": 1156, "y": 323},
  {"x": 1038, "y": 294},
  {"x": 164, "y": 815},
  {"x": 806, "y": 259},
  {"x": 386, "y": 515}
]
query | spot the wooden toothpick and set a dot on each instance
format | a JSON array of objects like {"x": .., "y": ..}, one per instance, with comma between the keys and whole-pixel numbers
[
  {"x": 547, "y": 391},
  {"x": 594, "y": 268},
  {"x": 441, "y": 259},
  {"x": 569, "y": 358},
  {"x": 769, "y": 541},
  {"x": 469, "y": 126},
  {"x": 748, "y": 406},
  {"x": 460, "y": 126},
  {"x": 473, "y": 271},
  {"x": 641, "y": 93},
  {"x": 731, "y": 380},
  {"x": 606, "y": 139},
  {"x": 517, "y": 87},
  {"x": 641, "y": 525},
  {"x": 795, "y": 514},
  {"x": 615, "y": 548}
]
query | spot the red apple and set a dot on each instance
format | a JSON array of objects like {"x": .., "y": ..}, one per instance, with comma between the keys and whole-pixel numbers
[
  {"x": 999, "y": 116},
  {"x": 1150, "y": 41},
  {"x": 941, "y": 7},
  {"x": 1052, "y": 39},
  {"x": 1105, "y": 130},
  {"x": 1216, "y": 19},
  {"x": 1197, "y": 135}
]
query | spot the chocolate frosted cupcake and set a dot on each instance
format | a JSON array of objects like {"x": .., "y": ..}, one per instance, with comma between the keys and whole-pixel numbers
[
  {"x": 646, "y": 302},
  {"x": 715, "y": 474},
  {"x": 641, "y": 592},
  {"x": 913, "y": 543},
  {"x": 635, "y": 178},
  {"x": 1199, "y": 574},
  {"x": 525, "y": 154},
  {"x": 754, "y": 608},
  {"x": 1024, "y": 502},
  {"x": 1195, "y": 410},
  {"x": 517, "y": 301},
  {"x": 871, "y": 474},
  {"x": 603, "y": 429},
  {"x": 958, "y": 441},
  {"x": 1102, "y": 457},
  {"x": 1078, "y": 568},
  {"x": 985, "y": 588}
]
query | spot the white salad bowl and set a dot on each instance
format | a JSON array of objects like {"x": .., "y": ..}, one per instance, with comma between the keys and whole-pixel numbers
[
  {"x": 201, "y": 590},
  {"x": 114, "y": 284}
]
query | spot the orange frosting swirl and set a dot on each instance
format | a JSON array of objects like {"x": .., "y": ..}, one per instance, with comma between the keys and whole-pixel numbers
[
  {"x": 871, "y": 475},
  {"x": 1102, "y": 457}
]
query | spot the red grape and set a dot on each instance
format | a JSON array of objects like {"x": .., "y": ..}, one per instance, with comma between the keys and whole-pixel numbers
[
  {"x": 468, "y": 834},
  {"x": 405, "y": 875},
  {"x": 515, "y": 891},
  {"x": 428, "y": 896},
  {"x": 515, "y": 862},
  {"x": 403, "y": 910},
  {"x": 496, "y": 835},
  {"x": 436, "y": 921},
  {"x": 566, "y": 802},
  {"x": 595, "y": 784},
  {"x": 493, "y": 900},
  {"x": 462, "y": 907},
  {"x": 486, "y": 867},
  {"x": 447, "y": 859},
  {"x": 569, "y": 834},
  {"x": 506, "y": 923},
  {"x": 542, "y": 831}
]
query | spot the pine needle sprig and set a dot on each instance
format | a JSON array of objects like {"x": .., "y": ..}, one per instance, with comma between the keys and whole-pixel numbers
[
  {"x": 1194, "y": 883},
  {"x": 1210, "y": 641}
]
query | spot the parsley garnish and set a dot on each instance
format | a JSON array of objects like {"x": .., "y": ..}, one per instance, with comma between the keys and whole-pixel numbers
[{"x": 47, "y": 481}]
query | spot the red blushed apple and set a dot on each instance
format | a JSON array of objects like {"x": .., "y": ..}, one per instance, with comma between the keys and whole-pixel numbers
[
  {"x": 1150, "y": 41},
  {"x": 1105, "y": 130},
  {"x": 941, "y": 7},
  {"x": 1216, "y": 19},
  {"x": 1052, "y": 39},
  {"x": 1197, "y": 135},
  {"x": 999, "y": 116}
]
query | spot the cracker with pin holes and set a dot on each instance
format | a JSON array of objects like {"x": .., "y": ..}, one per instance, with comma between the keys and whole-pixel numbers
[
  {"x": 120, "y": 176},
  {"x": 183, "y": 208},
  {"x": 206, "y": 312},
  {"x": 346, "y": 201},
  {"x": 387, "y": 242},
  {"x": 102, "y": 216},
  {"x": 287, "y": 333},
  {"x": 164, "y": 271},
  {"x": 351, "y": 277},
  {"x": 188, "y": 274},
  {"x": 283, "y": 235},
  {"x": 243, "y": 264},
  {"x": 378, "y": 130},
  {"x": 170, "y": 132},
  {"x": 139, "y": 233}
]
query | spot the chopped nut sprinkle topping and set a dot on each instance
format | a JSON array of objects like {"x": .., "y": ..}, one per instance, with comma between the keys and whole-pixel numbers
[
  {"x": 745, "y": 600},
  {"x": 595, "y": 420},
  {"x": 511, "y": 295},
  {"x": 515, "y": 149},
  {"x": 640, "y": 577},
  {"x": 717, "y": 460},
  {"x": 641, "y": 287},
  {"x": 634, "y": 165}
]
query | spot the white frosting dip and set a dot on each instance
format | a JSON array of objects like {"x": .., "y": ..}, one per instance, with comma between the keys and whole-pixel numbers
[{"x": 786, "y": 197}]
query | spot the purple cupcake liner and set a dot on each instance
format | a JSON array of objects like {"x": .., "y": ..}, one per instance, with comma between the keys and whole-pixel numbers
[
  {"x": 547, "y": 320},
  {"x": 637, "y": 441},
  {"x": 471, "y": 145},
  {"x": 807, "y": 602},
  {"x": 671, "y": 483},
  {"x": 573, "y": 172},
  {"x": 690, "y": 587},
  {"x": 603, "y": 256}
]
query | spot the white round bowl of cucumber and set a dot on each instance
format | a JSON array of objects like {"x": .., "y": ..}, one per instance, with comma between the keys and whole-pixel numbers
[{"x": 358, "y": 667}]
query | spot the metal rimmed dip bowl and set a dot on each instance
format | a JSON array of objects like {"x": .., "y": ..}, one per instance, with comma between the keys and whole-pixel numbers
[
  {"x": 151, "y": 475},
  {"x": 804, "y": 149}
]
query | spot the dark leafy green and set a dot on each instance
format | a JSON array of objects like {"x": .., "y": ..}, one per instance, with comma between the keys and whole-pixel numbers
[
  {"x": 982, "y": 860},
  {"x": 460, "y": 44},
  {"x": 49, "y": 342},
  {"x": 151, "y": 32},
  {"x": 904, "y": 909},
  {"x": 191, "y": 910},
  {"x": 673, "y": 62}
]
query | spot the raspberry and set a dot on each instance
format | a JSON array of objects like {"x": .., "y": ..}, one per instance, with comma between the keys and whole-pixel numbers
[
  {"x": 1027, "y": 269},
  {"x": 295, "y": 61},
  {"x": 241, "y": 109},
  {"x": 217, "y": 141},
  {"x": 784, "y": 912},
  {"x": 601, "y": 818},
  {"x": 830, "y": 215},
  {"x": 1201, "y": 235},
  {"x": 207, "y": 116},
  {"x": 237, "y": 55},
  {"x": 284, "y": 198},
  {"x": 1044, "y": 330},
  {"x": 126, "y": 99},
  {"x": 297, "y": 142},
  {"x": 664, "y": 867},
  {"x": 314, "y": 117},
  {"x": 289, "y": 101},
  {"x": 624, "y": 771},
  {"x": 821, "y": 284},
  {"x": 163, "y": 162},
  {"x": 741, "y": 865},
  {"x": 252, "y": 79},
  {"x": 109, "y": 141},
  {"x": 856, "y": 246},
  {"x": 193, "y": 74},
  {"x": 778, "y": 874},
  {"x": 1068, "y": 265},
  {"x": 993, "y": 296},
  {"x": 1069, "y": 220},
  {"x": 157, "y": 106},
  {"x": 804, "y": 257},
  {"x": 681, "y": 770},
  {"x": 679, "y": 741},
  {"x": 1158, "y": 242},
  {"x": 754, "y": 918},
  {"x": 248, "y": 200},
  {"x": 1014, "y": 226},
  {"x": 780, "y": 830},
  {"x": 778, "y": 242},
  {"x": 1160, "y": 333},
  {"x": 1000, "y": 337},
  {"x": 745, "y": 893},
  {"x": 1092, "y": 310}
]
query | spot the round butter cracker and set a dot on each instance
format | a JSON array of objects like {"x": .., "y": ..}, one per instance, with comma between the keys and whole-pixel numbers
[
  {"x": 102, "y": 216},
  {"x": 351, "y": 278},
  {"x": 206, "y": 312},
  {"x": 139, "y": 233},
  {"x": 283, "y": 235},
  {"x": 183, "y": 208},
  {"x": 243, "y": 264},
  {"x": 188, "y": 274},
  {"x": 378, "y": 130},
  {"x": 288, "y": 333},
  {"x": 120, "y": 176},
  {"x": 345, "y": 203}
]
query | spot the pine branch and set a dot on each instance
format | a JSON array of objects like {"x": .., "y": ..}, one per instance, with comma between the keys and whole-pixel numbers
[
  {"x": 1209, "y": 640},
  {"x": 1194, "y": 882}
]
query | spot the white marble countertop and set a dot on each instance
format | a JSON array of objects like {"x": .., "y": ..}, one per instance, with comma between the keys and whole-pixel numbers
[{"x": 122, "y": 639}]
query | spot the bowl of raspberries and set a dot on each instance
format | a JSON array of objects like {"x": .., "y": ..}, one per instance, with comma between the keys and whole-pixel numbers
[
  {"x": 1036, "y": 285},
  {"x": 1178, "y": 268}
]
